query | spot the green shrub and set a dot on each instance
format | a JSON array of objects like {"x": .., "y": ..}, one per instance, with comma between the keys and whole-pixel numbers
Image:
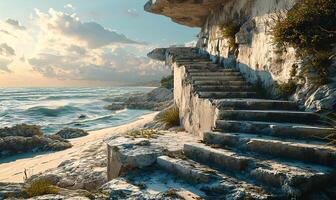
[
  {"x": 170, "y": 117},
  {"x": 167, "y": 82},
  {"x": 286, "y": 89},
  {"x": 309, "y": 27},
  {"x": 229, "y": 31},
  {"x": 41, "y": 187}
]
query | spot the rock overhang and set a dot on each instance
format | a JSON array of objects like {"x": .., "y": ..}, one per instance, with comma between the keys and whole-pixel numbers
[{"x": 192, "y": 13}]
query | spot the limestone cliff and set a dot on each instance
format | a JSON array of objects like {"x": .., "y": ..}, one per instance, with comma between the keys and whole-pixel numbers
[{"x": 254, "y": 53}]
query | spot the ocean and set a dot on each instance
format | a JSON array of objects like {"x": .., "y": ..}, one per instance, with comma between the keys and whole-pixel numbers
[{"x": 57, "y": 108}]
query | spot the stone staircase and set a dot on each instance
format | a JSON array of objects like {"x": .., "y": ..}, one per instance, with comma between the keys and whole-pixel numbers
[{"x": 257, "y": 148}]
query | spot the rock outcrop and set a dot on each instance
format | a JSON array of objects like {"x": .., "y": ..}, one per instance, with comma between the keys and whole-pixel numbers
[
  {"x": 70, "y": 133},
  {"x": 157, "y": 99},
  {"x": 186, "y": 12},
  {"x": 28, "y": 138}
]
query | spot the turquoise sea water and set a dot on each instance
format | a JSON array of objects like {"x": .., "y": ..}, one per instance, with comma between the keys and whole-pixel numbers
[{"x": 57, "y": 108}]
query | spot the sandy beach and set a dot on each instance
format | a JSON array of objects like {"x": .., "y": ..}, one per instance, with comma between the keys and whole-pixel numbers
[{"x": 13, "y": 171}]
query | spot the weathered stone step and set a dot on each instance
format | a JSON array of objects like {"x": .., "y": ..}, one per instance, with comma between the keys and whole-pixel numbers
[
  {"x": 217, "y": 78},
  {"x": 186, "y": 170},
  {"x": 223, "y": 88},
  {"x": 218, "y": 182},
  {"x": 292, "y": 178},
  {"x": 316, "y": 153},
  {"x": 210, "y": 69},
  {"x": 255, "y": 104},
  {"x": 289, "y": 130},
  {"x": 217, "y": 95},
  {"x": 223, "y": 158},
  {"x": 217, "y": 73},
  {"x": 269, "y": 116},
  {"x": 214, "y": 82}
]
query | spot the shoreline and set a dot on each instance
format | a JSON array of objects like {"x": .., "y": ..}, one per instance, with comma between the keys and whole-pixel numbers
[{"x": 13, "y": 171}]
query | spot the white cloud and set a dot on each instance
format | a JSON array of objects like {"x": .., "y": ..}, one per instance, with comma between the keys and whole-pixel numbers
[
  {"x": 91, "y": 33},
  {"x": 70, "y": 49},
  {"x": 70, "y": 6}
]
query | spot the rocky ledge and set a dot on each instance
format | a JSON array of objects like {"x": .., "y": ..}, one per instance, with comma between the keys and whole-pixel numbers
[
  {"x": 191, "y": 13},
  {"x": 157, "y": 99},
  {"x": 28, "y": 138}
]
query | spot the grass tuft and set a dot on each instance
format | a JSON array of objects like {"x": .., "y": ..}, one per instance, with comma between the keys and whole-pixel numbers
[
  {"x": 170, "y": 117},
  {"x": 143, "y": 133},
  {"x": 41, "y": 187}
]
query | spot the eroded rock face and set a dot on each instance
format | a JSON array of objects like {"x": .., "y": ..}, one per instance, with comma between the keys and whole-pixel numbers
[{"x": 191, "y": 13}]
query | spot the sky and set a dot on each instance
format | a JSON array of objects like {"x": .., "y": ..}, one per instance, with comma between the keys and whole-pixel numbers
[{"x": 79, "y": 43}]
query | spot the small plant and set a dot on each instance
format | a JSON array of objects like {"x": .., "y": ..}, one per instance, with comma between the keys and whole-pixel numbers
[
  {"x": 143, "y": 133},
  {"x": 229, "y": 31},
  {"x": 41, "y": 187},
  {"x": 170, "y": 117}
]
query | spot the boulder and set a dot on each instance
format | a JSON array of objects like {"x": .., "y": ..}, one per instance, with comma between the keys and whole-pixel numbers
[
  {"x": 23, "y": 130},
  {"x": 324, "y": 98},
  {"x": 115, "y": 106},
  {"x": 125, "y": 154},
  {"x": 11, "y": 190},
  {"x": 17, "y": 144},
  {"x": 69, "y": 133}
]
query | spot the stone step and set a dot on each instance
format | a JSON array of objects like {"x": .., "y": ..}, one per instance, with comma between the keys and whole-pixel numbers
[
  {"x": 224, "y": 159},
  {"x": 269, "y": 116},
  {"x": 217, "y": 95},
  {"x": 196, "y": 77},
  {"x": 218, "y": 73},
  {"x": 211, "y": 69},
  {"x": 316, "y": 153},
  {"x": 185, "y": 170},
  {"x": 218, "y": 182},
  {"x": 222, "y": 88},
  {"x": 255, "y": 104},
  {"x": 294, "y": 179},
  {"x": 289, "y": 130},
  {"x": 217, "y": 78},
  {"x": 214, "y": 82}
]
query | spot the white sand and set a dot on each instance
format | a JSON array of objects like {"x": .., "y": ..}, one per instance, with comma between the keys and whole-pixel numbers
[{"x": 13, "y": 171}]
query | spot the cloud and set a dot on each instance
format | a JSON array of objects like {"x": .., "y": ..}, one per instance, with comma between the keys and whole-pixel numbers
[
  {"x": 15, "y": 24},
  {"x": 4, "y": 62},
  {"x": 6, "y": 50},
  {"x": 91, "y": 33},
  {"x": 70, "y": 6},
  {"x": 103, "y": 65},
  {"x": 132, "y": 13}
]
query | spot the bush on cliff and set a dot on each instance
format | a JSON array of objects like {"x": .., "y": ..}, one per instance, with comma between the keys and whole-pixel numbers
[
  {"x": 310, "y": 27},
  {"x": 229, "y": 31}
]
